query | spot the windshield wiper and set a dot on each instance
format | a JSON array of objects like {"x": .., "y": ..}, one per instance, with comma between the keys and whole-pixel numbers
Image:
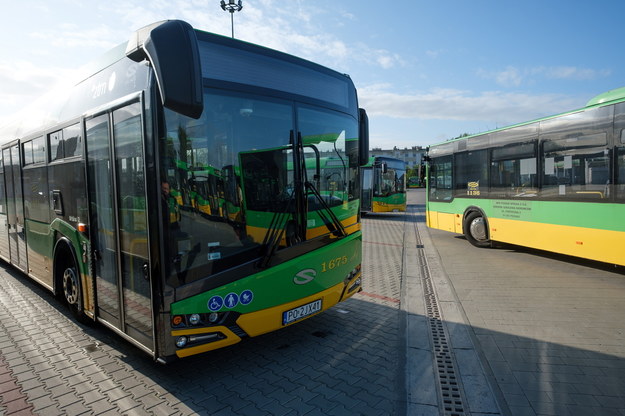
[
  {"x": 275, "y": 232},
  {"x": 333, "y": 224}
]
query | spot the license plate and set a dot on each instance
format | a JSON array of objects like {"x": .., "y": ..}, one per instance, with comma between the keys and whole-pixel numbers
[{"x": 301, "y": 312}]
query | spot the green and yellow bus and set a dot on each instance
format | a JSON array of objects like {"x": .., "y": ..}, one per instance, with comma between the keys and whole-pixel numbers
[
  {"x": 383, "y": 184},
  {"x": 166, "y": 194},
  {"x": 554, "y": 184}
]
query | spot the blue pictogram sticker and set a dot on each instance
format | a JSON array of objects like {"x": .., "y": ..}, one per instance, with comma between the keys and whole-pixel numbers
[
  {"x": 215, "y": 303},
  {"x": 231, "y": 300},
  {"x": 246, "y": 297}
]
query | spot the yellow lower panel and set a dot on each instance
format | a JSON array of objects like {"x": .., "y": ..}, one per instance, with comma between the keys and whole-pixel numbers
[
  {"x": 270, "y": 319},
  {"x": 230, "y": 339},
  {"x": 444, "y": 221},
  {"x": 384, "y": 207},
  {"x": 601, "y": 245}
]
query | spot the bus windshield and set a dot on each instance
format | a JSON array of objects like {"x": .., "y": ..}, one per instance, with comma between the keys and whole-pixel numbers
[
  {"x": 230, "y": 180},
  {"x": 392, "y": 179}
]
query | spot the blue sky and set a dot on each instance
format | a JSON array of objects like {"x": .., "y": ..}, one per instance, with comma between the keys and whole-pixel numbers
[{"x": 426, "y": 71}]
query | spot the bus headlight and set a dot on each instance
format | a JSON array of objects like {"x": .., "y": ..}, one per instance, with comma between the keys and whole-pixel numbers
[
  {"x": 181, "y": 342},
  {"x": 194, "y": 319}
]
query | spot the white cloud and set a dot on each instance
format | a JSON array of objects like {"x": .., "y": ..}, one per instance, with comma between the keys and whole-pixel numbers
[
  {"x": 70, "y": 36},
  {"x": 22, "y": 80},
  {"x": 450, "y": 104},
  {"x": 513, "y": 77},
  {"x": 509, "y": 77},
  {"x": 574, "y": 73}
]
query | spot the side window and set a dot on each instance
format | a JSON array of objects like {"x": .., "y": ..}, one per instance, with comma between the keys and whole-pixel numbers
[
  {"x": 576, "y": 167},
  {"x": 3, "y": 209},
  {"x": 39, "y": 150},
  {"x": 513, "y": 171},
  {"x": 73, "y": 140},
  {"x": 27, "y": 151},
  {"x": 34, "y": 151},
  {"x": 440, "y": 180},
  {"x": 471, "y": 173},
  {"x": 56, "y": 145},
  {"x": 620, "y": 173},
  {"x": 65, "y": 143}
]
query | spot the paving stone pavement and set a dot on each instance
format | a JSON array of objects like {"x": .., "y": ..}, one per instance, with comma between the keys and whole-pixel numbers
[
  {"x": 549, "y": 330},
  {"x": 345, "y": 361},
  {"x": 525, "y": 334}
]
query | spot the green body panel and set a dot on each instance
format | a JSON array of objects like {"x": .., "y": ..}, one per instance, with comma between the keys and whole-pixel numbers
[
  {"x": 75, "y": 237},
  {"x": 393, "y": 199},
  {"x": 330, "y": 265},
  {"x": 601, "y": 216}
]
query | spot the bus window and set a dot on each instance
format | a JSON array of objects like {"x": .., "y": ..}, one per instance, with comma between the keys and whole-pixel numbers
[
  {"x": 2, "y": 201},
  {"x": 441, "y": 179},
  {"x": 576, "y": 167},
  {"x": 39, "y": 150},
  {"x": 471, "y": 174},
  {"x": 56, "y": 145},
  {"x": 513, "y": 171},
  {"x": 27, "y": 151},
  {"x": 34, "y": 151},
  {"x": 620, "y": 177},
  {"x": 65, "y": 143}
]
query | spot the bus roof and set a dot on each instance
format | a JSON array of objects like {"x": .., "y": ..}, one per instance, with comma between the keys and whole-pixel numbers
[
  {"x": 606, "y": 98},
  {"x": 61, "y": 104}
]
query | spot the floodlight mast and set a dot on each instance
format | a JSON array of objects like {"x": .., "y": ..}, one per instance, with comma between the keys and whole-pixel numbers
[{"x": 232, "y": 6}]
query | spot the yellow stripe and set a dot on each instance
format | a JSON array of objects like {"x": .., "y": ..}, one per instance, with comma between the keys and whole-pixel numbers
[
  {"x": 263, "y": 321},
  {"x": 444, "y": 221},
  {"x": 384, "y": 207},
  {"x": 589, "y": 243},
  {"x": 270, "y": 319},
  {"x": 230, "y": 339}
]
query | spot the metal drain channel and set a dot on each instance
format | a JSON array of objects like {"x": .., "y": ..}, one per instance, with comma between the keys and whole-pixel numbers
[{"x": 451, "y": 391}]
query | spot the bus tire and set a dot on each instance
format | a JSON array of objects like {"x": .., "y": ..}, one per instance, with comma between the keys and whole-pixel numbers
[
  {"x": 476, "y": 229},
  {"x": 71, "y": 288}
]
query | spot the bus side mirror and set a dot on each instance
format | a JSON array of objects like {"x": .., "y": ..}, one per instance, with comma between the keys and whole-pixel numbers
[
  {"x": 363, "y": 136},
  {"x": 384, "y": 167},
  {"x": 171, "y": 47}
]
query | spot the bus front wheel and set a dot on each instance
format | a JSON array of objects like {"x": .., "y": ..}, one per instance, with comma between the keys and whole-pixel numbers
[{"x": 476, "y": 230}]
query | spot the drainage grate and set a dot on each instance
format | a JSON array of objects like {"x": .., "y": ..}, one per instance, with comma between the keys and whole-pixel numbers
[{"x": 450, "y": 387}]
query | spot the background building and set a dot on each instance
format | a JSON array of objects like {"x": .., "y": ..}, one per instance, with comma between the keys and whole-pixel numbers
[{"x": 413, "y": 156}]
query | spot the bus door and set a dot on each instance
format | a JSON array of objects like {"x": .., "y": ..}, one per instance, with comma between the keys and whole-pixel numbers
[
  {"x": 15, "y": 205},
  {"x": 366, "y": 196},
  {"x": 119, "y": 234}
]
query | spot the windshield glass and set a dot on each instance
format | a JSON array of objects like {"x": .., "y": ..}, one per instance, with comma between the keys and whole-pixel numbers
[
  {"x": 330, "y": 144},
  {"x": 392, "y": 179},
  {"x": 229, "y": 188},
  {"x": 202, "y": 191}
]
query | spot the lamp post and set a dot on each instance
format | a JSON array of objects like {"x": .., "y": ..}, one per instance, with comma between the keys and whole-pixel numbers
[{"x": 232, "y": 6}]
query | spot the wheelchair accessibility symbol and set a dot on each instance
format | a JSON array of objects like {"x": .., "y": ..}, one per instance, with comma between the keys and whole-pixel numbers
[{"x": 215, "y": 303}]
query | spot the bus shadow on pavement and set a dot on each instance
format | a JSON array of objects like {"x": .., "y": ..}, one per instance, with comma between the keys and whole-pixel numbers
[
  {"x": 534, "y": 376},
  {"x": 347, "y": 359},
  {"x": 613, "y": 268},
  {"x": 386, "y": 216},
  {"x": 342, "y": 360}
]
